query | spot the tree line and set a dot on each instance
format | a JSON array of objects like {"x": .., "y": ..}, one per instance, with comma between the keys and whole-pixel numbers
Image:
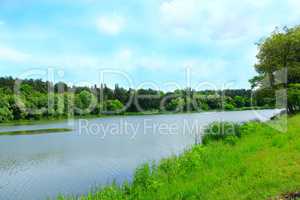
[{"x": 36, "y": 99}]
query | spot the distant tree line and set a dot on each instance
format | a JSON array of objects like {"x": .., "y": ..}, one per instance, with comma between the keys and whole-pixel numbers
[{"x": 36, "y": 99}]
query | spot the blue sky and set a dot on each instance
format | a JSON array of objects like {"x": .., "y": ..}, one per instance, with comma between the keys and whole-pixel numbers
[{"x": 151, "y": 41}]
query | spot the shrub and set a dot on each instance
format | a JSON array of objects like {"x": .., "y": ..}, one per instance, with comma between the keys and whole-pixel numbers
[
  {"x": 231, "y": 139},
  {"x": 229, "y": 106},
  {"x": 114, "y": 106},
  {"x": 222, "y": 131},
  {"x": 5, "y": 112}
]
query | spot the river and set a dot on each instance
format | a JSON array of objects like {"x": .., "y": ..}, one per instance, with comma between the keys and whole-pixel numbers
[{"x": 97, "y": 151}]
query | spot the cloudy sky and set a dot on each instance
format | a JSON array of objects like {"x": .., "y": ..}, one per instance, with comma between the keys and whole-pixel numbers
[{"x": 151, "y": 41}]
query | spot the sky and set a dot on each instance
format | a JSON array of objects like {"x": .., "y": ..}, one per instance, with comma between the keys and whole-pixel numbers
[{"x": 160, "y": 44}]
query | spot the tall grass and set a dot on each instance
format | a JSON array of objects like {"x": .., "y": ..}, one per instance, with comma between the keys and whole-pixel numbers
[
  {"x": 262, "y": 163},
  {"x": 226, "y": 131}
]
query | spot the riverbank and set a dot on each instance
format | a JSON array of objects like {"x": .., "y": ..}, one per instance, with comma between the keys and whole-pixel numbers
[
  {"x": 36, "y": 132},
  {"x": 90, "y": 116},
  {"x": 262, "y": 163}
]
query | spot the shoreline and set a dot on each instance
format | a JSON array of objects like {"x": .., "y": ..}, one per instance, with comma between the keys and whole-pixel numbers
[
  {"x": 126, "y": 114},
  {"x": 251, "y": 157},
  {"x": 35, "y": 132}
]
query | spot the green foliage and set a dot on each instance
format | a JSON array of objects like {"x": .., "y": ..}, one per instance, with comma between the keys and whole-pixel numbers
[
  {"x": 38, "y": 100},
  {"x": 5, "y": 112},
  {"x": 176, "y": 105},
  {"x": 85, "y": 102},
  {"x": 239, "y": 101},
  {"x": 214, "y": 102},
  {"x": 294, "y": 98},
  {"x": 221, "y": 131},
  {"x": 229, "y": 106},
  {"x": 203, "y": 106},
  {"x": 231, "y": 139},
  {"x": 279, "y": 66},
  {"x": 114, "y": 106}
]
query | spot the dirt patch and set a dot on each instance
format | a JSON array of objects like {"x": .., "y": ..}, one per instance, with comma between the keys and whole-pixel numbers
[{"x": 288, "y": 196}]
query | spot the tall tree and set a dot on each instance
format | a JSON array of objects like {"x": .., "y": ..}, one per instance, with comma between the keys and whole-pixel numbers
[{"x": 279, "y": 60}]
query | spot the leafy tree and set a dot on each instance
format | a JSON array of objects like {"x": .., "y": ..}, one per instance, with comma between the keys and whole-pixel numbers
[
  {"x": 60, "y": 87},
  {"x": 148, "y": 99},
  {"x": 69, "y": 104},
  {"x": 108, "y": 93},
  {"x": 17, "y": 107},
  {"x": 214, "y": 101},
  {"x": 114, "y": 106},
  {"x": 5, "y": 113},
  {"x": 280, "y": 51},
  {"x": 239, "y": 101},
  {"x": 201, "y": 102},
  {"x": 229, "y": 106},
  {"x": 85, "y": 102},
  {"x": 279, "y": 59},
  {"x": 176, "y": 104},
  {"x": 121, "y": 94}
]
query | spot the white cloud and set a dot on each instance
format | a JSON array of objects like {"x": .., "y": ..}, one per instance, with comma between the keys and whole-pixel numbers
[
  {"x": 125, "y": 54},
  {"x": 222, "y": 19},
  {"x": 178, "y": 12},
  {"x": 111, "y": 25},
  {"x": 206, "y": 19},
  {"x": 205, "y": 68},
  {"x": 9, "y": 54}
]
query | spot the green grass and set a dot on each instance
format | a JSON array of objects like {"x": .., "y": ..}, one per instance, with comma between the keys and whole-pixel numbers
[
  {"x": 35, "y": 132},
  {"x": 225, "y": 131},
  {"x": 262, "y": 163}
]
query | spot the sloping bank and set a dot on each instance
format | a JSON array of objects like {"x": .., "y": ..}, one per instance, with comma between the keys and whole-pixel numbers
[{"x": 259, "y": 162}]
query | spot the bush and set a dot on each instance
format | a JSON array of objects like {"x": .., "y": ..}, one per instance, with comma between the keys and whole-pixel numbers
[
  {"x": 229, "y": 106},
  {"x": 294, "y": 98},
  {"x": 225, "y": 131},
  {"x": 114, "y": 106},
  {"x": 5, "y": 112},
  {"x": 231, "y": 139}
]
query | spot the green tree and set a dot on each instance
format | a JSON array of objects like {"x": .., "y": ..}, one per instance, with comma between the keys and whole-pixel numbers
[
  {"x": 85, "y": 102},
  {"x": 239, "y": 101},
  {"x": 279, "y": 59},
  {"x": 214, "y": 101},
  {"x": 121, "y": 94},
  {"x": 114, "y": 106},
  {"x": 294, "y": 98},
  {"x": 5, "y": 112},
  {"x": 176, "y": 104}
]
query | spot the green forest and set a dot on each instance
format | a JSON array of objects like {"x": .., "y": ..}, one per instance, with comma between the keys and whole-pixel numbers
[{"x": 34, "y": 101}]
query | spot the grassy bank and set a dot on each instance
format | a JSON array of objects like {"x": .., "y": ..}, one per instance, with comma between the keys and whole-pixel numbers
[
  {"x": 35, "y": 132},
  {"x": 261, "y": 163}
]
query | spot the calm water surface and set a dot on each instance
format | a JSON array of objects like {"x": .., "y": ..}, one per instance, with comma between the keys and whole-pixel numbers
[{"x": 97, "y": 151}]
